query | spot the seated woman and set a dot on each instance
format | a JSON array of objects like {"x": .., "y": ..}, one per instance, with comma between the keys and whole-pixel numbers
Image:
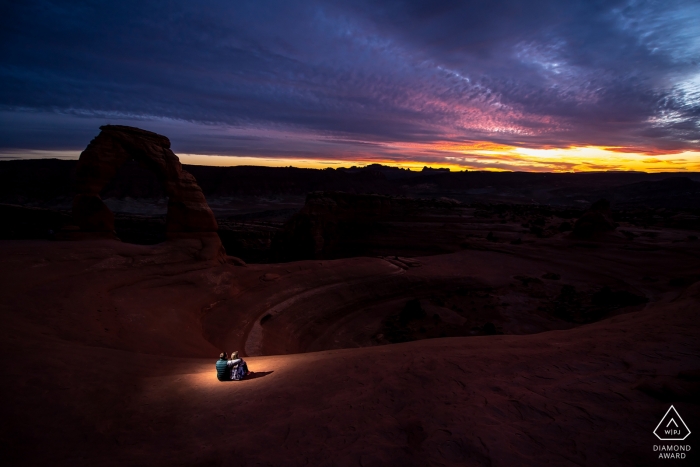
[{"x": 239, "y": 368}]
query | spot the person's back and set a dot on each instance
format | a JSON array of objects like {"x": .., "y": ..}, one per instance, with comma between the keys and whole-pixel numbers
[{"x": 223, "y": 369}]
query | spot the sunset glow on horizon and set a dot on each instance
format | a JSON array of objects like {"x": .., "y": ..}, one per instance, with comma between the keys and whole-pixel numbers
[
  {"x": 475, "y": 157},
  {"x": 483, "y": 155},
  {"x": 504, "y": 85}
]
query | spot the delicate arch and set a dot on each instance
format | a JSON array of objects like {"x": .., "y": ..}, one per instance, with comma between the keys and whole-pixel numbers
[{"x": 188, "y": 210}]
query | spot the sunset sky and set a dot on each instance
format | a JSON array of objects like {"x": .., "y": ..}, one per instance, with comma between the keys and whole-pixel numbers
[{"x": 481, "y": 85}]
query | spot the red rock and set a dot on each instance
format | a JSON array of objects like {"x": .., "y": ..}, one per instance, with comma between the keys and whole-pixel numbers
[
  {"x": 91, "y": 214},
  {"x": 598, "y": 219},
  {"x": 187, "y": 208},
  {"x": 335, "y": 225},
  {"x": 109, "y": 348}
]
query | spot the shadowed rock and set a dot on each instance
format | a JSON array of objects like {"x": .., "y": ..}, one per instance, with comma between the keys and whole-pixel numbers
[
  {"x": 336, "y": 225},
  {"x": 187, "y": 208},
  {"x": 189, "y": 217},
  {"x": 598, "y": 219},
  {"x": 156, "y": 322}
]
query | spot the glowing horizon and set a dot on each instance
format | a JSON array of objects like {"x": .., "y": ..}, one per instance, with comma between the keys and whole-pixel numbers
[
  {"x": 480, "y": 155},
  {"x": 505, "y": 158}
]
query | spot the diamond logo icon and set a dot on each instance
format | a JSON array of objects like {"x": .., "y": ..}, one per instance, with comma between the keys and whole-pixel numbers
[{"x": 672, "y": 427}]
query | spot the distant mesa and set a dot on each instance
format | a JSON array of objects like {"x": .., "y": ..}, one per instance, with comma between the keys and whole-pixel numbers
[
  {"x": 427, "y": 169},
  {"x": 188, "y": 213},
  {"x": 597, "y": 220}
]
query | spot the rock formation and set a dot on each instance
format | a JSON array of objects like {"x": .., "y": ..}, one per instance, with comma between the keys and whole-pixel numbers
[
  {"x": 598, "y": 219},
  {"x": 334, "y": 224},
  {"x": 187, "y": 208},
  {"x": 314, "y": 231},
  {"x": 157, "y": 324},
  {"x": 189, "y": 216}
]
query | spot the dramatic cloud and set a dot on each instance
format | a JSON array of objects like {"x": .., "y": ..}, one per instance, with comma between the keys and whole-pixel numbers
[{"x": 359, "y": 80}]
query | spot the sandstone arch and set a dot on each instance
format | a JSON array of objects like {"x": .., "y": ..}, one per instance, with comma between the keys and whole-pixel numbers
[
  {"x": 188, "y": 211},
  {"x": 189, "y": 217}
]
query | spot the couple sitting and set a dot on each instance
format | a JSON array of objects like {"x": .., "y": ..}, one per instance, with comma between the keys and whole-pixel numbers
[{"x": 233, "y": 369}]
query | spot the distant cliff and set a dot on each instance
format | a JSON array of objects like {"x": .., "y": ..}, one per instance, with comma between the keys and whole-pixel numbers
[
  {"x": 337, "y": 225},
  {"x": 49, "y": 182}
]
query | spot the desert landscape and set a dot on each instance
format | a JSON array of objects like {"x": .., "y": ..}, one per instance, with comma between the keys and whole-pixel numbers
[
  {"x": 350, "y": 233},
  {"x": 382, "y": 328}
]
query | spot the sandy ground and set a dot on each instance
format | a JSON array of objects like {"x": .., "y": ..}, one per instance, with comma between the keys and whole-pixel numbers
[{"x": 108, "y": 353}]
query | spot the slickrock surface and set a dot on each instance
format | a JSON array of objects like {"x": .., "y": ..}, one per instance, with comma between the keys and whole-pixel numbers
[{"x": 108, "y": 354}]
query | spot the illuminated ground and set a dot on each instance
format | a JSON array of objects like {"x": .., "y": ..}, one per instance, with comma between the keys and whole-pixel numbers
[{"x": 108, "y": 353}]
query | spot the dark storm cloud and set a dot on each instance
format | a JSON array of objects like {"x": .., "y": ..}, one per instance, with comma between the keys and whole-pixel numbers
[{"x": 536, "y": 73}]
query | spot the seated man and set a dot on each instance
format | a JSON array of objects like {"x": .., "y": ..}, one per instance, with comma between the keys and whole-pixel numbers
[{"x": 223, "y": 368}]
